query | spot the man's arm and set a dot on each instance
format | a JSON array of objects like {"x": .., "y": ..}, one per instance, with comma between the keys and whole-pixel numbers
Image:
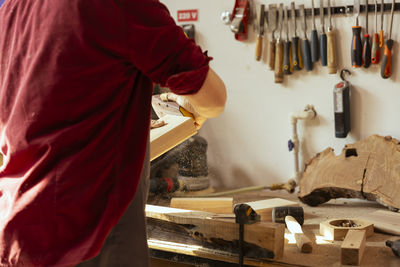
[{"x": 210, "y": 100}]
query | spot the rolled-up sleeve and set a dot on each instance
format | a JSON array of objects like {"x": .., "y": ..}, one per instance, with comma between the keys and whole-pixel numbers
[{"x": 159, "y": 48}]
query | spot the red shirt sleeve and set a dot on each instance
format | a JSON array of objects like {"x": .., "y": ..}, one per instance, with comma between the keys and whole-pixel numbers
[{"x": 160, "y": 49}]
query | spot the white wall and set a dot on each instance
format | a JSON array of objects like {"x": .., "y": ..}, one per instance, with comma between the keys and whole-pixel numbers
[{"x": 248, "y": 143}]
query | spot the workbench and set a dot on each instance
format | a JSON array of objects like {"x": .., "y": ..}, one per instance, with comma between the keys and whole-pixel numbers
[{"x": 167, "y": 243}]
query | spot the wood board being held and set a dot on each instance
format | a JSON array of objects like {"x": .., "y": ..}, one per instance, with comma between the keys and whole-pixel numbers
[{"x": 176, "y": 130}]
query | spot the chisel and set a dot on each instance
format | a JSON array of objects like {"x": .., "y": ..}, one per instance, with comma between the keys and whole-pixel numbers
[
  {"x": 287, "y": 55},
  {"x": 366, "y": 55},
  {"x": 305, "y": 43},
  {"x": 375, "y": 53},
  {"x": 272, "y": 25},
  {"x": 356, "y": 46},
  {"x": 322, "y": 39},
  {"x": 296, "y": 54},
  {"x": 279, "y": 50},
  {"x": 386, "y": 67},
  {"x": 381, "y": 33},
  {"x": 314, "y": 37},
  {"x": 260, "y": 37},
  {"x": 331, "y": 43}
]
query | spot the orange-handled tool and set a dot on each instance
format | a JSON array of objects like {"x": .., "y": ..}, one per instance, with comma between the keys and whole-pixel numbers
[
  {"x": 375, "y": 52},
  {"x": 381, "y": 34},
  {"x": 386, "y": 67}
]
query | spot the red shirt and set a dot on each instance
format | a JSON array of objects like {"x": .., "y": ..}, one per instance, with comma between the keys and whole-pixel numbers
[{"x": 75, "y": 90}]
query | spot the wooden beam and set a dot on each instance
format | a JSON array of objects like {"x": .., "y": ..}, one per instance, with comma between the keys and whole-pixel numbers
[
  {"x": 210, "y": 226},
  {"x": 212, "y": 204},
  {"x": 353, "y": 247}
]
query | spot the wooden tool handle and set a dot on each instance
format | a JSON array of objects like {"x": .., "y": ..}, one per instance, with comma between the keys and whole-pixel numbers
[
  {"x": 279, "y": 62},
  {"x": 271, "y": 53},
  {"x": 303, "y": 243},
  {"x": 331, "y": 52},
  {"x": 259, "y": 44}
]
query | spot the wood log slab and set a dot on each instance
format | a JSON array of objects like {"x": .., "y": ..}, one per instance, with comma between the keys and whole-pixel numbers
[{"x": 368, "y": 169}]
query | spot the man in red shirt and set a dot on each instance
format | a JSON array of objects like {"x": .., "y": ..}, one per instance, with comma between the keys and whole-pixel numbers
[{"x": 75, "y": 90}]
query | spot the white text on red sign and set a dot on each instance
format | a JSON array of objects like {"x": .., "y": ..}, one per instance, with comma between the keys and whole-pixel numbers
[{"x": 188, "y": 15}]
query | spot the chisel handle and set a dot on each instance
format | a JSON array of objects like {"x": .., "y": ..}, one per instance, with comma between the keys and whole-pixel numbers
[
  {"x": 386, "y": 67},
  {"x": 356, "y": 47},
  {"x": 375, "y": 52},
  {"x": 279, "y": 62},
  {"x": 381, "y": 39},
  {"x": 366, "y": 55},
  {"x": 332, "y": 61},
  {"x": 307, "y": 55},
  {"x": 323, "y": 49},
  {"x": 314, "y": 46},
  {"x": 287, "y": 58},
  {"x": 296, "y": 55},
  {"x": 259, "y": 44},
  {"x": 271, "y": 52}
]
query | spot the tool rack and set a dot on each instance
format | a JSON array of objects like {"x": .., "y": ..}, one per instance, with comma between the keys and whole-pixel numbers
[{"x": 345, "y": 10}]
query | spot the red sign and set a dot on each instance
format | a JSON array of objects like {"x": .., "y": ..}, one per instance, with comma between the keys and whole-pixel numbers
[{"x": 188, "y": 15}]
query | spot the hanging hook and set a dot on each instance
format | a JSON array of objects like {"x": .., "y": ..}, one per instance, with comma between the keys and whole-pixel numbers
[{"x": 342, "y": 74}]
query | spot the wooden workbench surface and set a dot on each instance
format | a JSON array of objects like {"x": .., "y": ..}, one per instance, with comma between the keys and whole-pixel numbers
[{"x": 166, "y": 237}]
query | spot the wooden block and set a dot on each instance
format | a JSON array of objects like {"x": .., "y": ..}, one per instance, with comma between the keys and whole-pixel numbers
[
  {"x": 176, "y": 130},
  {"x": 332, "y": 230},
  {"x": 212, "y": 204},
  {"x": 264, "y": 207},
  {"x": 352, "y": 248},
  {"x": 385, "y": 221},
  {"x": 206, "y": 225}
]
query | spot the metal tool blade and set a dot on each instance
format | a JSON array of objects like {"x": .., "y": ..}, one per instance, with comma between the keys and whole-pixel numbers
[
  {"x": 313, "y": 15},
  {"x": 376, "y": 16},
  {"x": 391, "y": 19},
  {"x": 262, "y": 20},
  {"x": 382, "y": 7},
  {"x": 366, "y": 16},
  {"x": 286, "y": 22},
  {"x": 272, "y": 18},
  {"x": 321, "y": 15},
  {"x": 293, "y": 15},
  {"x": 280, "y": 20},
  {"x": 303, "y": 20},
  {"x": 356, "y": 10},
  {"x": 330, "y": 16}
]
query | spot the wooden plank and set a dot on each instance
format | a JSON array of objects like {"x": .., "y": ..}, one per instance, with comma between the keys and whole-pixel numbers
[
  {"x": 384, "y": 220},
  {"x": 352, "y": 248},
  {"x": 208, "y": 226},
  {"x": 264, "y": 207},
  {"x": 176, "y": 130},
  {"x": 216, "y": 204}
]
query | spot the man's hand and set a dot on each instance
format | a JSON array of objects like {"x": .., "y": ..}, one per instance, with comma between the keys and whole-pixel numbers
[{"x": 184, "y": 102}]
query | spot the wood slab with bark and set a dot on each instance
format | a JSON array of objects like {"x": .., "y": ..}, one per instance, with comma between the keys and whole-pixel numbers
[{"x": 368, "y": 169}]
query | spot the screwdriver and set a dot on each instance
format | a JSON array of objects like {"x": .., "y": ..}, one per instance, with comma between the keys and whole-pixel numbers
[
  {"x": 386, "y": 67},
  {"x": 356, "y": 47},
  {"x": 279, "y": 50},
  {"x": 331, "y": 43},
  {"x": 305, "y": 43},
  {"x": 287, "y": 53},
  {"x": 381, "y": 34},
  {"x": 296, "y": 54},
  {"x": 366, "y": 55},
  {"x": 314, "y": 37},
  {"x": 375, "y": 53},
  {"x": 322, "y": 39}
]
